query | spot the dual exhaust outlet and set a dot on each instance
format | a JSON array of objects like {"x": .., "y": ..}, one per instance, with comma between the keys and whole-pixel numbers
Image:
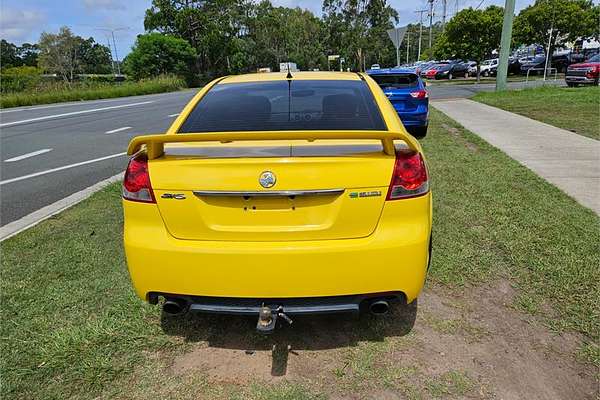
[{"x": 174, "y": 306}]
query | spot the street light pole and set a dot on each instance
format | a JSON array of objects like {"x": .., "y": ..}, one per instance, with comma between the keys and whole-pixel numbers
[
  {"x": 443, "y": 15},
  {"x": 116, "y": 54},
  {"x": 509, "y": 11}
]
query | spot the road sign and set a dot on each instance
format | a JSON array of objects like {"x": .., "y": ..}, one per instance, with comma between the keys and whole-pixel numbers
[
  {"x": 396, "y": 35},
  {"x": 333, "y": 58}
]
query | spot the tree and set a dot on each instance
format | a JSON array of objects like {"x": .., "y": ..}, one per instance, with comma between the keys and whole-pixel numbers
[
  {"x": 155, "y": 54},
  {"x": 556, "y": 22},
  {"x": 471, "y": 35},
  {"x": 8, "y": 55},
  {"x": 358, "y": 29},
  {"x": 58, "y": 53},
  {"x": 28, "y": 53},
  {"x": 94, "y": 58},
  {"x": 212, "y": 27}
]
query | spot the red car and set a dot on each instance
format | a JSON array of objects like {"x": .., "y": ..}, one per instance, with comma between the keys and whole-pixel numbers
[{"x": 584, "y": 73}]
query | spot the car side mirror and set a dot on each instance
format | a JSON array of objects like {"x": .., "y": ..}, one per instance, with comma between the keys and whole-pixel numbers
[{"x": 424, "y": 83}]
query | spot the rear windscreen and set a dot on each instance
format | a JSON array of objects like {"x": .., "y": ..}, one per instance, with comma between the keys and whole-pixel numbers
[
  {"x": 398, "y": 81},
  {"x": 285, "y": 105}
]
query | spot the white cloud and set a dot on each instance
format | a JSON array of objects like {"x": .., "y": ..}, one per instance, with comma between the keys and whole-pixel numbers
[
  {"x": 17, "y": 25},
  {"x": 104, "y": 4}
]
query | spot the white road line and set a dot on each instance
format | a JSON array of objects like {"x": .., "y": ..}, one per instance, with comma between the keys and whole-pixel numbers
[
  {"x": 118, "y": 130},
  {"x": 74, "y": 113},
  {"x": 173, "y": 115},
  {"x": 24, "y": 156},
  {"x": 49, "y": 171},
  {"x": 38, "y": 216}
]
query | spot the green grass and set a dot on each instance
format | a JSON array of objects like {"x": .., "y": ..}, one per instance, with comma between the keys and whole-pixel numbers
[
  {"x": 72, "y": 328},
  {"x": 93, "y": 92},
  {"x": 573, "y": 109}
]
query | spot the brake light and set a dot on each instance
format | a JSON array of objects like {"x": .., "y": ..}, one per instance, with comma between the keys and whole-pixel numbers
[
  {"x": 136, "y": 184},
  {"x": 409, "y": 178},
  {"x": 419, "y": 94}
]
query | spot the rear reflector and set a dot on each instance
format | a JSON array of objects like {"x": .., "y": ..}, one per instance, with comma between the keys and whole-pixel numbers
[
  {"x": 136, "y": 185},
  {"x": 419, "y": 94},
  {"x": 409, "y": 178}
]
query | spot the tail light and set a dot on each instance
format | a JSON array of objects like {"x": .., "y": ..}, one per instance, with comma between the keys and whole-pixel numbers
[
  {"x": 419, "y": 94},
  {"x": 409, "y": 178},
  {"x": 136, "y": 185}
]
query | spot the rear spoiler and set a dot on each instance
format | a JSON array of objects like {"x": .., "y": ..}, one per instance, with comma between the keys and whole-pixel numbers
[{"x": 155, "y": 143}]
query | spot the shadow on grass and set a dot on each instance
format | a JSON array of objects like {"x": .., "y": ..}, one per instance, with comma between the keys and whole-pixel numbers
[{"x": 321, "y": 332}]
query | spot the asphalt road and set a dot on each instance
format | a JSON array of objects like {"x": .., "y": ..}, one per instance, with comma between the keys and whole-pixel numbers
[{"x": 49, "y": 152}]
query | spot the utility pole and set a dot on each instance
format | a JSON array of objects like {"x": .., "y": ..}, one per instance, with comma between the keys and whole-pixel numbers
[
  {"x": 509, "y": 12},
  {"x": 443, "y": 14},
  {"x": 407, "y": 45},
  {"x": 430, "y": 22},
  {"x": 420, "y": 31}
]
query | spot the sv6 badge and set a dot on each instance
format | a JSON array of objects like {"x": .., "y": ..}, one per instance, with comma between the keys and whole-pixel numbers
[{"x": 176, "y": 196}]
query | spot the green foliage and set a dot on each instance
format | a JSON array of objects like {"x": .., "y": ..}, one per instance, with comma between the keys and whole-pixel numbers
[
  {"x": 156, "y": 54},
  {"x": 358, "y": 31},
  {"x": 471, "y": 34},
  {"x": 89, "y": 89},
  {"x": 67, "y": 55},
  {"x": 8, "y": 55},
  {"x": 17, "y": 79},
  {"x": 568, "y": 19}
]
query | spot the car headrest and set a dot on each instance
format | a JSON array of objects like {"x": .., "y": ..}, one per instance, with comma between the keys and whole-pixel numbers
[{"x": 340, "y": 105}]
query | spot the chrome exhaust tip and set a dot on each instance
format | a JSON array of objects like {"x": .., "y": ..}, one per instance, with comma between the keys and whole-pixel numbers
[
  {"x": 379, "y": 307},
  {"x": 174, "y": 307}
]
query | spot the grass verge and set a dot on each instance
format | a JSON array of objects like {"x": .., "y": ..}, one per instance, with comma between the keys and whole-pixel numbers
[
  {"x": 574, "y": 109},
  {"x": 100, "y": 91},
  {"x": 71, "y": 326}
]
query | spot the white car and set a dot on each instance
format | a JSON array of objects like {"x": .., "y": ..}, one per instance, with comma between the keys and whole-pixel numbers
[
  {"x": 375, "y": 66},
  {"x": 484, "y": 68}
]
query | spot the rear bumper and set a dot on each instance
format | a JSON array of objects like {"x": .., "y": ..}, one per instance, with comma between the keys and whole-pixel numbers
[
  {"x": 393, "y": 258},
  {"x": 417, "y": 117},
  {"x": 290, "y": 306}
]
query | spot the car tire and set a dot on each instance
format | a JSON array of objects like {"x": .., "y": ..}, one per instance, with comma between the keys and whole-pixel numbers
[
  {"x": 485, "y": 73},
  {"x": 418, "y": 132}
]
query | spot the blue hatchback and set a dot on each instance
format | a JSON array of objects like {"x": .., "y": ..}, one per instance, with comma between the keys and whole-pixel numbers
[{"x": 406, "y": 91}]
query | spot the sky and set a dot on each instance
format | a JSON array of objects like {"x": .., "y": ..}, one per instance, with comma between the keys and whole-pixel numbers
[{"x": 24, "y": 20}]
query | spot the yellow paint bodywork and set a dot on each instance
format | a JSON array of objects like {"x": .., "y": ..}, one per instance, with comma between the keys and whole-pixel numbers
[{"x": 326, "y": 247}]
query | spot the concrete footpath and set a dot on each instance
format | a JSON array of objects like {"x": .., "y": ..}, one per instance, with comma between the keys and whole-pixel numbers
[{"x": 565, "y": 159}]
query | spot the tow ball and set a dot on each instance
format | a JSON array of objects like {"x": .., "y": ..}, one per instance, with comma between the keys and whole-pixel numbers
[{"x": 267, "y": 319}]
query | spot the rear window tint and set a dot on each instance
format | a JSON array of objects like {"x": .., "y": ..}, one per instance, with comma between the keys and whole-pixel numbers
[
  {"x": 286, "y": 105},
  {"x": 396, "y": 80}
]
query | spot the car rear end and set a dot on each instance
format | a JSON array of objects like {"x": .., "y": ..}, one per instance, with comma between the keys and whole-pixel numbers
[
  {"x": 304, "y": 194},
  {"x": 406, "y": 91}
]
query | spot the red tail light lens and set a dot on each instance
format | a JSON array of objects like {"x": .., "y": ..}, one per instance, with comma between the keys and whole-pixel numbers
[
  {"x": 409, "y": 178},
  {"x": 419, "y": 94},
  {"x": 136, "y": 185}
]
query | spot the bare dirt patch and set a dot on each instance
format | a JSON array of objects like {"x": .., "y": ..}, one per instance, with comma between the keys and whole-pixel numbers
[{"x": 468, "y": 343}]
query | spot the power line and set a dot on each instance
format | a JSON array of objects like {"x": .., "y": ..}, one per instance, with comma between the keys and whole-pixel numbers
[{"x": 420, "y": 12}]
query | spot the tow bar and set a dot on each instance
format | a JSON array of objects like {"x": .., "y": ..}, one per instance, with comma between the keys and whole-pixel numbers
[{"x": 267, "y": 319}]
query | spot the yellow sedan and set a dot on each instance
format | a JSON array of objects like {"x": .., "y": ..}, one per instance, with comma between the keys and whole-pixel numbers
[{"x": 276, "y": 195}]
